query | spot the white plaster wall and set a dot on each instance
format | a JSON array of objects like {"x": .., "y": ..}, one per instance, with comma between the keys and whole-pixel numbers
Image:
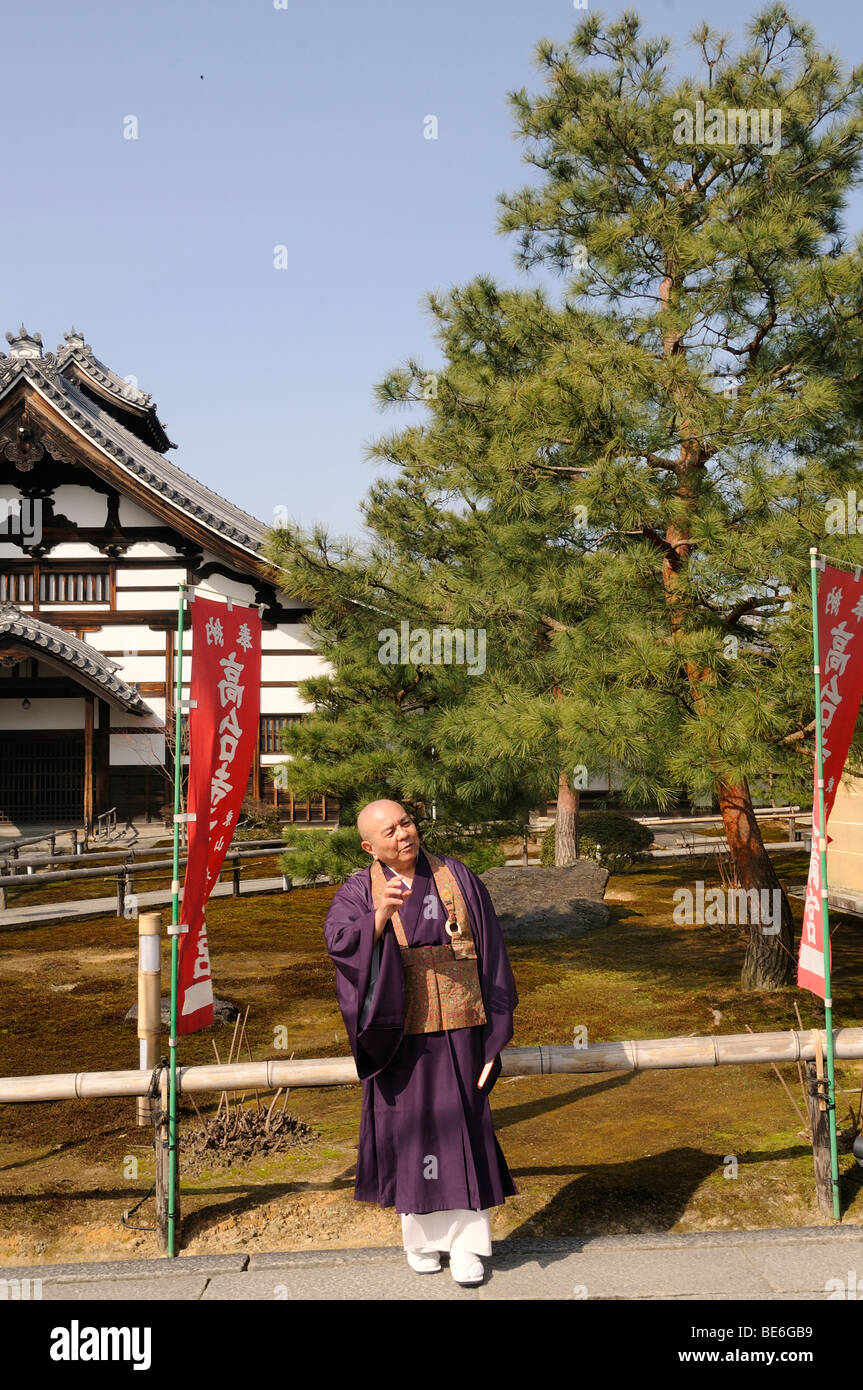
[
  {"x": 10, "y": 551},
  {"x": 288, "y": 635},
  {"x": 131, "y": 638},
  {"x": 291, "y": 668},
  {"x": 42, "y": 714},
  {"x": 81, "y": 505},
  {"x": 284, "y": 701},
  {"x": 76, "y": 550},
  {"x": 132, "y": 669},
  {"x": 132, "y": 514},
  {"x": 157, "y": 705},
  {"x": 131, "y": 578},
  {"x": 137, "y": 749},
  {"x": 46, "y": 609},
  {"x": 147, "y": 550},
  {"x": 131, "y": 600}
]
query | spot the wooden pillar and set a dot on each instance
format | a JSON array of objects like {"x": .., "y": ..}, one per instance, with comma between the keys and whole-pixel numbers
[
  {"x": 102, "y": 758},
  {"x": 88, "y": 762},
  {"x": 256, "y": 768},
  {"x": 291, "y": 805},
  {"x": 323, "y": 808},
  {"x": 169, "y": 683},
  {"x": 819, "y": 1124}
]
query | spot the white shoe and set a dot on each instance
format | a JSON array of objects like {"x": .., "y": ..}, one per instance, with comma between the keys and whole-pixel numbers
[
  {"x": 466, "y": 1268},
  {"x": 423, "y": 1264}
]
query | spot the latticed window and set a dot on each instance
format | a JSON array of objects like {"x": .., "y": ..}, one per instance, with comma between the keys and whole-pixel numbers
[
  {"x": 271, "y": 726},
  {"x": 46, "y": 584},
  {"x": 74, "y": 586},
  {"x": 16, "y": 587}
]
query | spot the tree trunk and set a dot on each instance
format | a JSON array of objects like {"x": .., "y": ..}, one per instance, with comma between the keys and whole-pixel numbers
[
  {"x": 769, "y": 960},
  {"x": 564, "y": 825}
]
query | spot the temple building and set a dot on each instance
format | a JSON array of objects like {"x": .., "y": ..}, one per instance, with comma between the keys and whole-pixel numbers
[{"x": 98, "y": 527}]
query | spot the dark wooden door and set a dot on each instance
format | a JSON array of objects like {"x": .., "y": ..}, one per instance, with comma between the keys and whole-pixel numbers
[{"x": 42, "y": 777}]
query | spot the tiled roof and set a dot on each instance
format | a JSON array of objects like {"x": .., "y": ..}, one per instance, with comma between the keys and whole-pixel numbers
[
  {"x": 76, "y": 354},
  {"x": 132, "y": 455},
  {"x": 94, "y": 667}
]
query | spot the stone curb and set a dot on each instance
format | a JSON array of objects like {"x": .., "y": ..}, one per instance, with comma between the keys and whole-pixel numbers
[
  {"x": 504, "y": 1250},
  {"x": 129, "y": 1269}
]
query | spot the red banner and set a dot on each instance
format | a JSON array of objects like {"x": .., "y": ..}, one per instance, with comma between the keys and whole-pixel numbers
[
  {"x": 223, "y": 728},
  {"x": 840, "y": 658}
]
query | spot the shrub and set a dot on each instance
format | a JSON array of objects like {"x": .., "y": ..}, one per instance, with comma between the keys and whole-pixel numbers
[
  {"x": 258, "y": 821},
  {"x": 621, "y": 840},
  {"x": 336, "y": 853},
  {"x": 480, "y": 847}
]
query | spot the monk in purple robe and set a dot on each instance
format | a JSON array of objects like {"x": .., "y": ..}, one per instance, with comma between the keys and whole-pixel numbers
[{"x": 426, "y": 1145}]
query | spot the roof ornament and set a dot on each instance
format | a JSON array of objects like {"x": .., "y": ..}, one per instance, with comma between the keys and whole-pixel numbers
[
  {"x": 24, "y": 344},
  {"x": 74, "y": 339},
  {"x": 127, "y": 386}
]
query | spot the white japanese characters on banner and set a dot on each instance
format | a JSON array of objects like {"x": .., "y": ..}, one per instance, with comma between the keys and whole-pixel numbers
[
  {"x": 223, "y": 729},
  {"x": 840, "y": 657}
]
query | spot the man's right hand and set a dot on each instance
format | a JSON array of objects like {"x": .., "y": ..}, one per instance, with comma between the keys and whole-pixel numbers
[{"x": 395, "y": 893}]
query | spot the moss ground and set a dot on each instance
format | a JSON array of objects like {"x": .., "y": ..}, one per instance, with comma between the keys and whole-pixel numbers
[{"x": 682, "y": 1150}]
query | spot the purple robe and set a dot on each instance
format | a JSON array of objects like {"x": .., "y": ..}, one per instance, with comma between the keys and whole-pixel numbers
[{"x": 426, "y": 1137}]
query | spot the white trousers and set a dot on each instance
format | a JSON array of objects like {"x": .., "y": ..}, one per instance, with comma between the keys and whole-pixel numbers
[{"x": 460, "y": 1230}]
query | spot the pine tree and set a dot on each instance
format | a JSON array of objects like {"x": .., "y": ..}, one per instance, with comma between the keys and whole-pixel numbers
[
  {"x": 619, "y": 484},
  {"x": 372, "y": 733},
  {"x": 713, "y": 247}
]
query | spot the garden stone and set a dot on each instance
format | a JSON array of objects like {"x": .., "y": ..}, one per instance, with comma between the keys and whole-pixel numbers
[{"x": 535, "y": 904}]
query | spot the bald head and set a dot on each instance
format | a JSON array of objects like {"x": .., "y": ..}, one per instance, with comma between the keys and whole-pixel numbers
[
  {"x": 389, "y": 834},
  {"x": 376, "y": 811}
]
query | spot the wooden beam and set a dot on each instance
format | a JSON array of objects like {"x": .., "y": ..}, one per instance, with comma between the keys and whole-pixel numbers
[
  {"x": 169, "y": 683},
  {"x": 256, "y": 766}
]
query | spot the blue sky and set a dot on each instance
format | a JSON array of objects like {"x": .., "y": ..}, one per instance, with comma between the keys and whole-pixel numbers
[{"x": 259, "y": 127}]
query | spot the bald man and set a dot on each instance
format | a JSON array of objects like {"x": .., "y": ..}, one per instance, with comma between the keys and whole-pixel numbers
[{"x": 426, "y": 1029}]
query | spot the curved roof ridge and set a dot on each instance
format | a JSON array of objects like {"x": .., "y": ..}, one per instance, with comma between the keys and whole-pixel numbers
[
  {"x": 97, "y": 668},
  {"x": 158, "y": 473}
]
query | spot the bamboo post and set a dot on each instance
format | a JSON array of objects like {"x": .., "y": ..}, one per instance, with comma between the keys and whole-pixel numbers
[
  {"x": 167, "y": 1212},
  {"x": 173, "y": 1186},
  {"x": 825, "y": 910},
  {"x": 121, "y": 895},
  {"x": 149, "y": 1003},
  {"x": 235, "y": 876}
]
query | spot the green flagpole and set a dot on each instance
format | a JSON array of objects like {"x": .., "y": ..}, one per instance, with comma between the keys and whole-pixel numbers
[
  {"x": 175, "y": 928},
  {"x": 825, "y": 911}
]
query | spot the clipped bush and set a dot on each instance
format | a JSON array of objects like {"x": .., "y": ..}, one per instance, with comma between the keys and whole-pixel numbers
[
  {"x": 479, "y": 847},
  {"x": 258, "y": 821},
  {"x": 615, "y": 840},
  {"x": 336, "y": 853},
  {"x": 339, "y": 853}
]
